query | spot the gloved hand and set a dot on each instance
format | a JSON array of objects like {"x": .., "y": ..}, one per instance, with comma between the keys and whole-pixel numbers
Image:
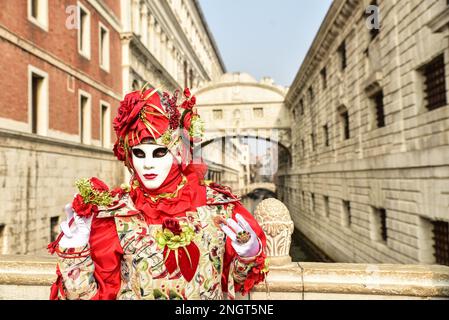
[
  {"x": 76, "y": 235},
  {"x": 247, "y": 249}
]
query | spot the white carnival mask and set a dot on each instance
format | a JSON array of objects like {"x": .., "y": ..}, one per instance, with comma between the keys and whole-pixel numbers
[{"x": 152, "y": 163}]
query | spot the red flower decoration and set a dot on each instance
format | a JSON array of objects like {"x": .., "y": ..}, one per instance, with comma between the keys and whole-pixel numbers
[
  {"x": 119, "y": 151},
  {"x": 172, "y": 225},
  {"x": 128, "y": 112},
  {"x": 83, "y": 209},
  {"x": 192, "y": 102},
  {"x": 187, "y": 93}
]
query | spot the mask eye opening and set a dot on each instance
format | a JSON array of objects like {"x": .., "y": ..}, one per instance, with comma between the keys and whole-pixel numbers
[
  {"x": 160, "y": 152},
  {"x": 139, "y": 153}
]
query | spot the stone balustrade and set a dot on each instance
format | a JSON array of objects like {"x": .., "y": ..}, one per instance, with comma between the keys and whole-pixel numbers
[{"x": 30, "y": 277}]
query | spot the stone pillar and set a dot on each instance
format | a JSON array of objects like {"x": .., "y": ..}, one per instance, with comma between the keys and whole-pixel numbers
[
  {"x": 150, "y": 32},
  {"x": 163, "y": 51},
  {"x": 136, "y": 16},
  {"x": 157, "y": 40},
  {"x": 126, "y": 15},
  {"x": 274, "y": 218},
  {"x": 144, "y": 25}
]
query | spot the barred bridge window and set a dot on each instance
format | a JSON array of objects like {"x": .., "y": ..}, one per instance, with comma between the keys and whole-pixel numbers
[
  {"x": 435, "y": 83},
  {"x": 441, "y": 242}
]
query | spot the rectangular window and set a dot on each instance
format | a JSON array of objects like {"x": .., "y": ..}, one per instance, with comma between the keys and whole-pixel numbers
[
  {"x": 2, "y": 239},
  {"x": 311, "y": 94},
  {"x": 326, "y": 135},
  {"x": 38, "y": 101},
  {"x": 218, "y": 114},
  {"x": 105, "y": 134},
  {"x": 324, "y": 78},
  {"x": 36, "y": 91},
  {"x": 84, "y": 38},
  {"x": 301, "y": 106},
  {"x": 342, "y": 54},
  {"x": 379, "y": 231},
  {"x": 38, "y": 13},
  {"x": 54, "y": 228},
  {"x": 326, "y": 207},
  {"x": 313, "y": 202},
  {"x": 378, "y": 102},
  {"x": 104, "y": 47},
  {"x": 303, "y": 199},
  {"x": 344, "y": 117},
  {"x": 312, "y": 139},
  {"x": 435, "y": 83},
  {"x": 258, "y": 112},
  {"x": 85, "y": 118},
  {"x": 347, "y": 218},
  {"x": 303, "y": 145},
  {"x": 441, "y": 242}
]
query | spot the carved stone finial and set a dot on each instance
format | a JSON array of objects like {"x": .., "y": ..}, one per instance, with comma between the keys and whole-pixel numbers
[{"x": 274, "y": 218}]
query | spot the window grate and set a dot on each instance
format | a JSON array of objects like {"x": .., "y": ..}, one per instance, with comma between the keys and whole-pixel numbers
[
  {"x": 347, "y": 212},
  {"x": 326, "y": 135},
  {"x": 380, "y": 111},
  {"x": 2, "y": 235},
  {"x": 441, "y": 242},
  {"x": 324, "y": 78},
  {"x": 345, "y": 124},
  {"x": 326, "y": 206},
  {"x": 383, "y": 224},
  {"x": 435, "y": 83},
  {"x": 342, "y": 52}
]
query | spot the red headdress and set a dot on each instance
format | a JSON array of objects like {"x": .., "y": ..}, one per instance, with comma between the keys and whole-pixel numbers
[
  {"x": 148, "y": 113},
  {"x": 151, "y": 114}
]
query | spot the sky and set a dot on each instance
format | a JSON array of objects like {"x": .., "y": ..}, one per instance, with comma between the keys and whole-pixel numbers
[{"x": 264, "y": 37}]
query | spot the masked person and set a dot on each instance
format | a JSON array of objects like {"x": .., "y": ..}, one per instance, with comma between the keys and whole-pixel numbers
[{"x": 169, "y": 234}]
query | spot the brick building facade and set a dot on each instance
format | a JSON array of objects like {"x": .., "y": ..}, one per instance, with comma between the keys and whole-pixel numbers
[
  {"x": 370, "y": 175},
  {"x": 61, "y": 87}
]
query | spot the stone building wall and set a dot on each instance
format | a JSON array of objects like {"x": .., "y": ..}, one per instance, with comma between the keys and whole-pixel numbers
[
  {"x": 168, "y": 44},
  {"x": 37, "y": 179},
  {"x": 45, "y": 143},
  {"x": 402, "y": 168}
]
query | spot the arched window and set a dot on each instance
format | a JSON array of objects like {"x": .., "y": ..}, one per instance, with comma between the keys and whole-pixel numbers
[{"x": 136, "y": 85}]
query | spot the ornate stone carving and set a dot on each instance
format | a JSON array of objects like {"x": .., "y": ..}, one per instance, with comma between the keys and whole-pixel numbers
[{"x": 274, "y": 218}]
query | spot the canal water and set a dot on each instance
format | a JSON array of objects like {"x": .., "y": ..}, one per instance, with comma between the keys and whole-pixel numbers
[{"x": 302, "y": 249}]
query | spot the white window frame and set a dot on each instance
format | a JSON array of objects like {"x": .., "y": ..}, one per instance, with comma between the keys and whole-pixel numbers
[
  {"x": 42, "y": 21},
  {"x": 105, "y": 56},
  {"x": 86, "y": 52},
  {"x": 105, "y": 136},
  {"x": 43, "y": 110},
  {"x": 88, "y": 116}
]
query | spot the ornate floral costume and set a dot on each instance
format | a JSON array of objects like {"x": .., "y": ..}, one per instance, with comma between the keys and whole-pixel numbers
[{"x": 158, "y": 244}]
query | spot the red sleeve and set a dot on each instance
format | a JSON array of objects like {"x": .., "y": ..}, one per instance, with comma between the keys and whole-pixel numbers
[
  {"x": 255, "y": 275},
  {"x": 106, "y": 253}
]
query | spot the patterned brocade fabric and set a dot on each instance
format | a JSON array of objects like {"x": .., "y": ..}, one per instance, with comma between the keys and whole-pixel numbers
[
  {"x": 143, "y": 273},
  {"x": 78, "y": 274}
]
